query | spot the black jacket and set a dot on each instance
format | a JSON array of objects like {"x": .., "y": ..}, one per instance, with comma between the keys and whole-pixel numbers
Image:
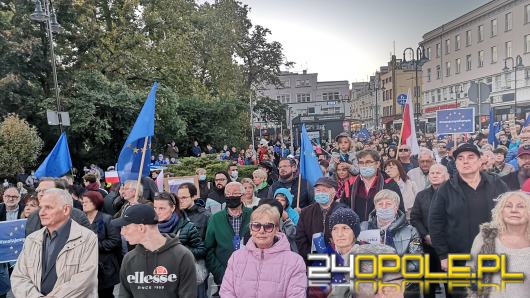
[
  {"x": 3, "y": 211},
  {"x": 108, "y": 204},
  {"x": 311, "y": 221},
  {"x": 217, "y": 195},
  {"x": 512, "y": 181},
  {"x": 419, "y": 214},
  {"x": 263, "y": 193},
  {"x": 109, "y": 243},
  {"x": 204, "y": 189},
  {"x": 33, "y": 224},
  {"x": 448, "y": 216},
  {"x": 190, "y": 237},
  {"x": 199, "y": 216},
  {"x": 364, "y": 208},
  {"x": 306, "y": 191}
]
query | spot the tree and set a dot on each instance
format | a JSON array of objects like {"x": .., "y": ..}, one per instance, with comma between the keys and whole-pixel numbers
[
  {"x": 271, "y": 110},
  {"x": 20, "y": 145}
]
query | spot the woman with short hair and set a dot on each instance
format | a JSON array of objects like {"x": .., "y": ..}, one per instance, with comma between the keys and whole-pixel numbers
[
  {"x": 266, "y": 264},
  {"x": 248, "y": 198},
  {"x": 259, "y": 177},
  {"x": 508, "y": 233}
]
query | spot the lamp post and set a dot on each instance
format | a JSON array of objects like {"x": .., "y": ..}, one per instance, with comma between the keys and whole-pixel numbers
[
  {"x": 376, "y": 85},
  {"x": 417, "y": 61},
  {"x": 517, "y": 64},
  {"x": 52, "y": 26}
]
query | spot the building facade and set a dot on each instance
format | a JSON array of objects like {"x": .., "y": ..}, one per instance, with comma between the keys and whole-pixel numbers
[
  {"x": 476, "y": 47},
  {"x": 311, "y": 102}
]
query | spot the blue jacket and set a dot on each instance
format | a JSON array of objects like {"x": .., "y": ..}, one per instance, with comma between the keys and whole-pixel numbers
[{"x": 293, "y": 215}]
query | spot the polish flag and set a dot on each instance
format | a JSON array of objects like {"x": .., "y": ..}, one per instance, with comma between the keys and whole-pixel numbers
[
  {"x": 160, "y": 181},
  {"x": 408, "y": 129},
  {"x": 112, "y": 177}
]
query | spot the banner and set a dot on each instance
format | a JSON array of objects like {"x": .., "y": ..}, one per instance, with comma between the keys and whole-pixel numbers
[
  {"x": 12, "y": 235},
  {"x": 455, "y": 121}
]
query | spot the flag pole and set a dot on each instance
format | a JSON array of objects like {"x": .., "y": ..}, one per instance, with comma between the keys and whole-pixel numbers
[{"x": 141, "y": 168}]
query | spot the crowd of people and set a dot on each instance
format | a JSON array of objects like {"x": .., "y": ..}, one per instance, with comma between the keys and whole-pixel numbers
[{"x": 253, "y": 235}]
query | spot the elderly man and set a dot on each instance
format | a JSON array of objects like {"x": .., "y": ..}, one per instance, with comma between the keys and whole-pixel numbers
[
  {"x": 129, "y": 195},
  {"x": 516, "y": 179},
  {"x": 462, "y": 204},
  {"x": 34, "y": 221},
  {"x": 420, "y": 174},
  {"x": 59, "y": 260},
  {"x": 12, "y": 208},
  {"x": 226, "y": 230},
  {"x": 405, "y": 157},
  {"x": 314, "y": 218}
]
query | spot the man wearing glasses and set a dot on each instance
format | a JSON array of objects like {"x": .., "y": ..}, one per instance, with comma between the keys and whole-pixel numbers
[
  {"x": 216, "y": 199},
  {"x": 226, "y": 230},
  {"x": 516, "y": 179},
  {"x": 369, "y": 182},
  {"x": 34, "y": 224},
  {"x": 404, "y": 156}
]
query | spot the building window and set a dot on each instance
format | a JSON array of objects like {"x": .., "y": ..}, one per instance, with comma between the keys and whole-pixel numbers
[
  {"x": 438, "y": 72},
  {"x": 527, "y": 14},
  {"x": 429, "y": 54},
  {"x": 458, "y": 65},
  {"x": 428, "y": 74},
  {"x": 480, "y": 33},
  {"x": 447, "y": 69},
  {"x": 480, "y": 58},
  {"x": 527, "y": 43},
  {"x": 310, "y": 110},
  {"x": 286, "y": 84},
  {"x": 330, "y": 96},
  {"x": 457, "y": 42},
  {"x": 303, "y": 97},
  {"x": 284, "y": 98},
  {"x": 303, "y": 83},
  {"x": 508, "y": 49},
  {"x": 493, "y": 27},
  {"x": 438, "y": 50},
  {"x": 468, "y": 38},
  {"x": 468, "y": 62},
  {"x": 494, "y": 55},
  {"x": 508, "y": 22},
  {"x": 447, "y": 46}
]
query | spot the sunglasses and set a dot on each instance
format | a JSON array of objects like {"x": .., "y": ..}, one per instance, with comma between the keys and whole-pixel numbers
[
  {"x": 403, "y": 150},
  {"x": 256, "y": 227}
]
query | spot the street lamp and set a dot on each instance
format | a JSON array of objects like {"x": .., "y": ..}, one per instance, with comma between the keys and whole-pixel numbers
[
  {"x": 49, "y": 17},
  {"x": 377, "y": 86},
  {"x": 517, "y": 64},
  {"x": 417, "y": 60}
]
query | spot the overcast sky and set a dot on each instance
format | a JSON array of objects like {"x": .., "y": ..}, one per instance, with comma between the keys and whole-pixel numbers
[{"x": 350, "y": 39}]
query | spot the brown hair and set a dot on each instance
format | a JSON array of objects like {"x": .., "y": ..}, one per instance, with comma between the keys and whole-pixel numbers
[{"x": 401, "y": 170}]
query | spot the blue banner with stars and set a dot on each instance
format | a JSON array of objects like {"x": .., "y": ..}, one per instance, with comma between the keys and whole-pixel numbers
[
  {"x": 12, "y": 235},
  {"x": 130, "y": 158},
  {"x": 455, "y": 121}
]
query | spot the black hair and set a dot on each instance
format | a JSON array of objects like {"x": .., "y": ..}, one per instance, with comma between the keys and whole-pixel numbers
[
  {"x": 292, "y": 162},
  {"x": 191, "y": 188},
  {"x": 225, "y": 173}
]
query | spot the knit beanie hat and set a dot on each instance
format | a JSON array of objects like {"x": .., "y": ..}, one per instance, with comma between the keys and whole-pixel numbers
[{"x": 347, "y": 217}]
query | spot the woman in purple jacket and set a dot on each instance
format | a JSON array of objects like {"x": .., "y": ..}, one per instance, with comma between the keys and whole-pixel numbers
[{"x": 266, "y": 266}]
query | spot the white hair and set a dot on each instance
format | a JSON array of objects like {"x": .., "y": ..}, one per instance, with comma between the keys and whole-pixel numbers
[
  {"x": 134, "y": 183},
  {"x": 387, "y": 194},
  {"x": 425, "y": 151},
  {"x": 64, "y": 196},
  {"x": 235, "y": 183}
]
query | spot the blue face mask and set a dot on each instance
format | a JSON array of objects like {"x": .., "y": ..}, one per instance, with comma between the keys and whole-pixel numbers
[
  {"x": 202, "y": 177},
  {"x": 367, "y": 172},
  {"x": 322, "y": 198}
]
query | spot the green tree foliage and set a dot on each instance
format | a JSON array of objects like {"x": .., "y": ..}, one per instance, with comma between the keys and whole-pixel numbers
[
  {"x": 20, "y": 145},
  {"x": 210, "y": 163},
  {"x": 271, "y": 110},
  {"x": 206, "y": 58}
]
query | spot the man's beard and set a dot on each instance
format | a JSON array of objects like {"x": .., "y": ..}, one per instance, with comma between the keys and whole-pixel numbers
[{"x": 287, "y": 176}]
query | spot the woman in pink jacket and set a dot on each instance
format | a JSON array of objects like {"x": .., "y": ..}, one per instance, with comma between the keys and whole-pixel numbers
[{"x": 265, "y": 267}]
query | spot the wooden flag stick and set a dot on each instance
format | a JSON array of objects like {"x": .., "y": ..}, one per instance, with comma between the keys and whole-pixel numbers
[
  {"x": 299, "y": 186},
  {"x": 141, "y": 169}
]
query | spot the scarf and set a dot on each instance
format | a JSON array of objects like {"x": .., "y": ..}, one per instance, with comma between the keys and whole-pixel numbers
[
  {"x": 168, "y": 225},
  {"x": 261, "y": 186}
]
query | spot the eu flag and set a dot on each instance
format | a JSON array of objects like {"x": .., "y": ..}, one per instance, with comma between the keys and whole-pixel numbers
[
  {"x": 309, "y": 166},
  {"x": 130, "y": 158},
  {"x": 455, "y": 121},
  {"x": 58, "y": 162},
  {"x": 492, "y": 139}
]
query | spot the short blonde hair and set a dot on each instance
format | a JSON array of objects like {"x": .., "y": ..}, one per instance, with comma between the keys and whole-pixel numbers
[
  {"x": 268, "y": 210},
  {"x": 387, "y": 194},
  {"x": 200, "y": 170},
  {"x": 496, "y": 214},
  {"x": 249, "y": 181},
  {"x": 260, "y": 173}
]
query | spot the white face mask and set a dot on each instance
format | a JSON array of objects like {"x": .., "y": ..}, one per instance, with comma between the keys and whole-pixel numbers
[{"x": 234, "y": 174}]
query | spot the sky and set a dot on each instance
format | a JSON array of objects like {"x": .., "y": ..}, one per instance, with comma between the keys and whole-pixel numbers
[{"x": 351, "y": 39}]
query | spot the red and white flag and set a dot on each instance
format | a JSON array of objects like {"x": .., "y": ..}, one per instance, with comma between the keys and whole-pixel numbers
[
  {"x": 160, "y": 181},
  {"x": 408, "y": 129},
  {"x": 112, "y": 177}
]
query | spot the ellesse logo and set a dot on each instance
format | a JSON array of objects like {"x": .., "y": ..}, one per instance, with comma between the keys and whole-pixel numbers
[
  {"x": 160, "y": 276},
  {"x": 160, "y": 270}
]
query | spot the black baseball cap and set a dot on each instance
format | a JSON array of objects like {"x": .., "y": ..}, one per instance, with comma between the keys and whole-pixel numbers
[
  {"x": 326, "y": 181},
  {"x": 137, "y": 214},
  {"x": 466, "y": 147}
]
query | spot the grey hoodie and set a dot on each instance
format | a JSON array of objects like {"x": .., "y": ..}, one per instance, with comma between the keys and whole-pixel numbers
[{"x": 166, "y": 272}]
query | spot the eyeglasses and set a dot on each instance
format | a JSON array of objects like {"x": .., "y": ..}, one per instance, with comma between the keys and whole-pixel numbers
[
  {"x": 403, "y": 150},
  {"x": 220, "y": 179},
  {"x": 256, "y": 227},
  {"x": 10, "y": 197}
]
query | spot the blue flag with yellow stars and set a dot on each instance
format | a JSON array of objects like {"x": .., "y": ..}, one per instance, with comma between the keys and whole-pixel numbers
[
  {"x": 455, "y": 121},
  {"x": 130, "y": 159},
  {"x": 58, "y": 162},
  {"x": 309, "y": 166}
]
